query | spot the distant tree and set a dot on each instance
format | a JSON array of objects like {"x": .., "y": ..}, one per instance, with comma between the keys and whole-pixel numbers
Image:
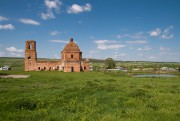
[{"x": 109, "y": 63}]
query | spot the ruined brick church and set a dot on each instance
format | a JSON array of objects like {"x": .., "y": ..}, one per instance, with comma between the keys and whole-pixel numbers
[{"x": 71, "y": 59}]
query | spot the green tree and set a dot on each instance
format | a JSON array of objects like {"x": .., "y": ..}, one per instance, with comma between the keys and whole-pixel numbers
[{"x": 109, "y": 63}]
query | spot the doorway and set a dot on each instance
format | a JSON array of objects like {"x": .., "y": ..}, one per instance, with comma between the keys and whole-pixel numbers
[{"x": 72, "y": 69}]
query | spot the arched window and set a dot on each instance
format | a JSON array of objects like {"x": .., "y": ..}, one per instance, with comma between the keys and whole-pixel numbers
[
  {"x": 71, "y": 56},
  {"x": 29, "y": 57},
  {"x": 30, "y": 46}
]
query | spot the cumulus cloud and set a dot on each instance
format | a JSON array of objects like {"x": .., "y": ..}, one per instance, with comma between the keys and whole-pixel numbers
[
  {"x": 155, "y": 32},
  {"x": 137, "y": 42},
  {"x": 54, "y": 33},
  {"x": 29, "y": 21},
  {"x": 59, "y": 41},
  {"x": 52, "y": 6},
  {"x": 163, "y": 34},
  {"x": 167, "y": 34},
  {"x": 7, "y": 26},
  {"x": 3, "y": 18},
  {"x": 48, "y": 15},
  {"x": 75, "y": 8},
  {"x": 13, "y": 49},
  {"x": 108, "y": 44}
]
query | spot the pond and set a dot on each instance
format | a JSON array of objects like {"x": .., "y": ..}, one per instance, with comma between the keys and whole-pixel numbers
[{"x": 155, "y": 75}]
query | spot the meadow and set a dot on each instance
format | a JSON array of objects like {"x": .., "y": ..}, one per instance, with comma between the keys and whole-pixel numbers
[
  {"x": 90, "y": 96},
  {"x": 87, "y": 96}
]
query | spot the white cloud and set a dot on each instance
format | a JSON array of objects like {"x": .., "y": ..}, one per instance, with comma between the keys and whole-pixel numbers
[
  {"x": 105, "y": 41},
  {"x": 139, "y": 49},
  {"x": 119, "y": 56},
  {"x": 54, "y": 33},
  {"x": 167, "y": 34},
  {"x": 119, "y": 36},
  {"x": 140, "y": 55},
  {"x": 3, "y": 18},
  {"x": 92, "y": 52},
  {"x": 108, "y": 44},
  {"x": 155, "y": 32},
  {"x": 59, "y": 41},
  {"x": 52, "y": 6},
  {"x": 16, "y": 55},
  {"x": 2, "y": 54},
  {"x": 13, "y": 49},
  {"x": 29, "y": 21},
  {"x": 138, "y": 35},
  {"x": 7, "y": 26},
  {"x": 75, "y": 8},
  {"x": 164, "y": 34},
  {"x": 144, "y": 49},
  {"x": 137, "y": 42},
  {"x": 56, "y": 56},
  {"x": 48, "y": 15},
  {"x": 151, "y": 57},
  {"x": 111, "y": 46},
  {"x": 164, "y": 49}
]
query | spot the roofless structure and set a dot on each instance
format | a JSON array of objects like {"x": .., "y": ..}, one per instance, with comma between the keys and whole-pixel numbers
[{"x": 71, "y": 59}]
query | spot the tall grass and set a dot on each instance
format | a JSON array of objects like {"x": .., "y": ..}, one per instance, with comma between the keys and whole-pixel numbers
[{"x": 92, "y": 96}]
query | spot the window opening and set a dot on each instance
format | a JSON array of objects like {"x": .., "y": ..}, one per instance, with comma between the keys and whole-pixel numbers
[{"x": 30, "y": 46}]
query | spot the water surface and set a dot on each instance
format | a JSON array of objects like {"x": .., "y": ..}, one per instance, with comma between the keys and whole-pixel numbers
[{"x": 155, "y": 75}]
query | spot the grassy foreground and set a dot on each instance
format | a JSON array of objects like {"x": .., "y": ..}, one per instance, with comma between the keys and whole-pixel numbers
[{"x": 92, "y": 96}]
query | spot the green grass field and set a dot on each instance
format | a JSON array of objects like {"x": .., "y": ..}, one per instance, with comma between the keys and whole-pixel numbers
[{"x": 91, "y": 96}]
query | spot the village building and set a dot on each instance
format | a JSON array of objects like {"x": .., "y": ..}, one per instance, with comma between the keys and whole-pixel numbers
[
  {"x": 71, "y": 59},
  {"x": 5, "y": 68}
]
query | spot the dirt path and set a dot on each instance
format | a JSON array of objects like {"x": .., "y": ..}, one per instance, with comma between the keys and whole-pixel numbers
[{"x": 14, "y": 76}]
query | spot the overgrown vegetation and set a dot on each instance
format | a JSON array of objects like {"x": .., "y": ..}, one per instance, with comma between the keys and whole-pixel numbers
[
  {"x": 91, "y": 96},
  {"x": 88, "y": 96}
]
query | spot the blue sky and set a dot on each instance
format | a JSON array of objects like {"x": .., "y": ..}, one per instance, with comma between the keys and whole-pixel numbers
[{"x": 128, "y": 30}]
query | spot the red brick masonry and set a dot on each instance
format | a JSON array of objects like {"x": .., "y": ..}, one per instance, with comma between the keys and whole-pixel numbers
[{"x": 71, "y": 59}]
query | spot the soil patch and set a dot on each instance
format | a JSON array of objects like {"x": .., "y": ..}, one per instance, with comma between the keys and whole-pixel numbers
[{"x": 14, "y": 76}]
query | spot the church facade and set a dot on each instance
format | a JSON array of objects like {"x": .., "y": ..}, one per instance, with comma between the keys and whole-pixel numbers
[{"x": 71, "y": 59}]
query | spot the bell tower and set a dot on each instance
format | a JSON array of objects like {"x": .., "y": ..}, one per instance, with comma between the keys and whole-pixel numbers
[{"x": 30, "y": 55}]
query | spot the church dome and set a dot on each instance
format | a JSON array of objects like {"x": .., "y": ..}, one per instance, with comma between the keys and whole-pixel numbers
[{"x": 71, "y": 47}]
